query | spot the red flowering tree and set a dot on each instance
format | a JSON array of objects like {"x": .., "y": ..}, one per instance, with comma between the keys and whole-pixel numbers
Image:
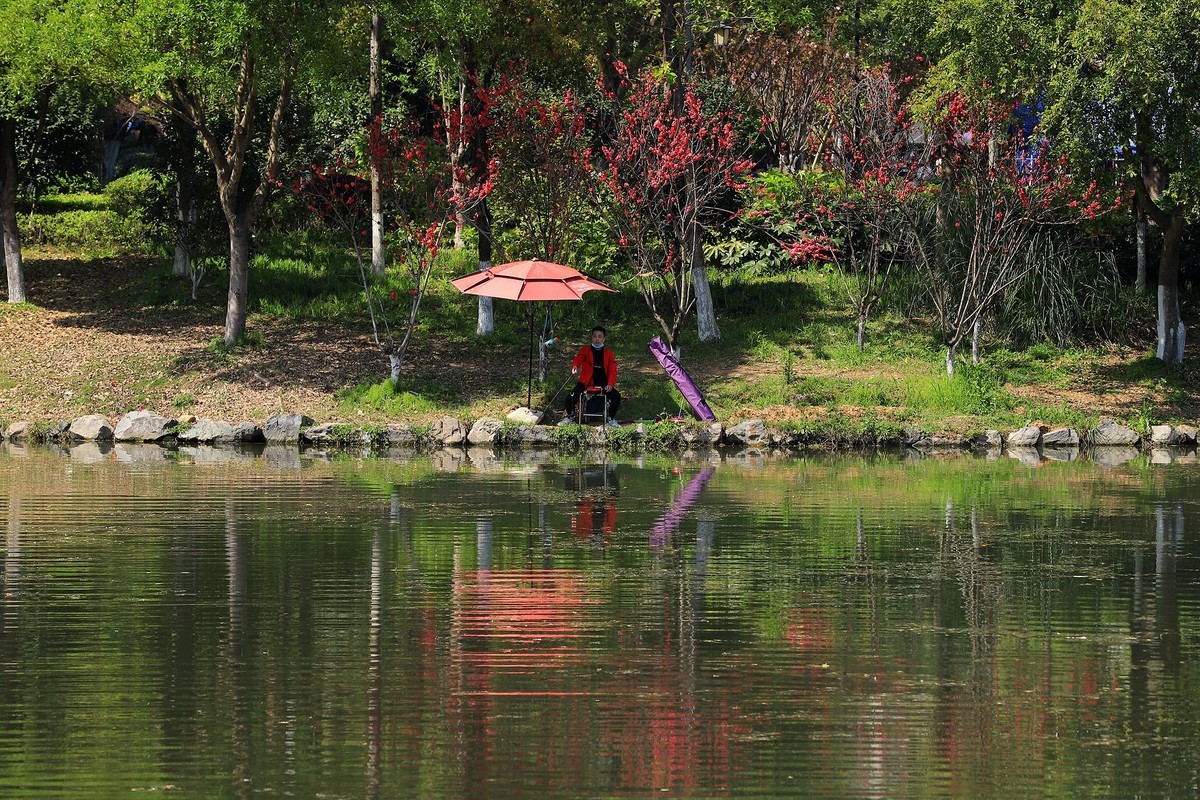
[
  {"x": 993, "y": 196},
  {"x": 669, "y": 163},
  {"x": 873, "y": 164},
  {"x": 536, "y": 141},
  {"x": 422, "y": 199},
  {"x": 785, "y": 78}
]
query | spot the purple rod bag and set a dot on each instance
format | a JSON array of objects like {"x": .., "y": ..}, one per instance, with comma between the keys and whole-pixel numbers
[{"x": 687, "y": 387}]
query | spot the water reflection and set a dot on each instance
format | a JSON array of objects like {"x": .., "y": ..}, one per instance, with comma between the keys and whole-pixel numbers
[
  {"x": 595, "y": 518},
  {"x": 867, "y": 627}
]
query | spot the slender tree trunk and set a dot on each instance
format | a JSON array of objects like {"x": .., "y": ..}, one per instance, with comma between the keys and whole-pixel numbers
[
  {"x": 1142, "y": 279},
  {"x": 8, "y": 210},
  {"x": 862, "y": 330},
  {"x": 706, "y": 316},
  {"x": 951, "y": 359},
  {"x": 239, "y": 279},
  {"x": 976, "y": 334},
  {"x": 378, "y": 248},
  {"x": 486, "y": 321},
  {"x": 185, "y": 204},
  {"x": 1171, "y": 334}
]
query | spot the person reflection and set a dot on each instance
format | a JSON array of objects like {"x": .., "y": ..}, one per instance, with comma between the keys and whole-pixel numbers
[{"x": 595, "y": 518}]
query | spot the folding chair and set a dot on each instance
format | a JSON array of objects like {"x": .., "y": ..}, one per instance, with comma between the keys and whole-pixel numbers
[{"x": 592, "y": 407}]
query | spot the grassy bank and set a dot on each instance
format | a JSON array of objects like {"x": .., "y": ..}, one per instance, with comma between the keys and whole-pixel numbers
[{"x": 110, "y": 329}]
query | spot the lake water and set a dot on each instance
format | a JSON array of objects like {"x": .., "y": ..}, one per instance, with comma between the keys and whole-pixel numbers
[{"x": 209, "y": 623}]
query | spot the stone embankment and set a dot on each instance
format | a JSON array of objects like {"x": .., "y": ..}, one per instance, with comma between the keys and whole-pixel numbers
[{"x": 1108, "y": 442}]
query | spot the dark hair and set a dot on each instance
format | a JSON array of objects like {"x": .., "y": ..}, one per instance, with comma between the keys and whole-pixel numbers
[{"x": 599, "y": 328}]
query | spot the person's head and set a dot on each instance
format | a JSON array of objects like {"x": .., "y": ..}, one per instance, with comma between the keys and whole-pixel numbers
[{"x": 598, "y": 334}]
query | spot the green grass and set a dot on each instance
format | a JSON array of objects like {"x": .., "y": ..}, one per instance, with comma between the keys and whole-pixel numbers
[{"x": 384, "y": 396}]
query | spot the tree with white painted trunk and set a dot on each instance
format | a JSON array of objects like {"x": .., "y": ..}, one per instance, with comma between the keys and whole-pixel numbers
[
  {"x": 989, "y": 200},
  {"x": 34, "y": 47},
  {"x": 1127, "y": 83},
  {"x": 658, "y": 188},
  {"x": 421, "y": 200}
]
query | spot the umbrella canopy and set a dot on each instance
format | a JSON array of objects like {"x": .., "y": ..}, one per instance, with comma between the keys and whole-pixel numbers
[{"x": 528, "y": 281}]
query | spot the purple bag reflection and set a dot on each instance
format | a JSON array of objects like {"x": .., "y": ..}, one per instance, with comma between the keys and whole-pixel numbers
[
  {"x": 687, "y": 387},
  {"x": 668, "y": 523}
]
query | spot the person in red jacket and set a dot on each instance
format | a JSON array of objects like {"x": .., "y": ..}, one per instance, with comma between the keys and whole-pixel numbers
[{"x": 595, "y": 365}]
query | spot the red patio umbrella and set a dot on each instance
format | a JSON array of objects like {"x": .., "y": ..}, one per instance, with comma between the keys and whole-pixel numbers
[{"x": 529, "y": 281}]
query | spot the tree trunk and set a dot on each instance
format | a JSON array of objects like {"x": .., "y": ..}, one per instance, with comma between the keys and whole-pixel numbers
[
  {"x": 1142, "y": 279},
  {"x": 950, "y": 360},
  {"x": 378, "y": 248},
  {"x": 706, "y": 317},
  {"x": 239, "y": 279},
  {"x": 1171, "y": 334},
  {"x": 485, "y": 324},
  {"x": 395, "y": 363},
  {"x": 976, "y": 335},
  {"x": 862, "y": 330},
  {"x": 185, "y": 203},
  {"x": 8, "y": 210}
]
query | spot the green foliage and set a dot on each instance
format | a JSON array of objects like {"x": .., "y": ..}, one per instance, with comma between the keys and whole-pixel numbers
[{"x": 141, "y": 193}]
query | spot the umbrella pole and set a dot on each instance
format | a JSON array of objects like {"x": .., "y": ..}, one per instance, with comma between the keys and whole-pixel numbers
[{"x": 529, "y": 383}]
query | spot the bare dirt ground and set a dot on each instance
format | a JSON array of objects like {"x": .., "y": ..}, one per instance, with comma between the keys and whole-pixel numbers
[{"x": 89, "y": 345}]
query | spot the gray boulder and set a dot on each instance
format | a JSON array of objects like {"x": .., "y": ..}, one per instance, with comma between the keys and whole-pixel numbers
[
  {"x": 247, "y": 432},
  {"x": 92, "y": 427},
  {"x": 18, "y": 430},
  {"x": 1188, "y": 432},
  {"x": 1061, "y": 437},
  {"x": 534, "y": 436},
  {"x": 485, "y": 431},
  {"x": 988, "y": 439},
  {"x": 1029, "y": 436},
  {"x": 142, "y": 426},
  {"x": 448, "y": 431},
  {"x": 941, "y": 441},
  {"x": 208, "y": 430},
  {"x": 702, "y": 435},
  {"x": 57, "y": 430},
  {"x": 1165, "y": 435},
  {"x": 320, "y": 434},
  {"x": 751, "y": 433},
  {"x": 400, "y": 436},
  {"x": 1110, "y": 433},
  {"x": 285, "y": 428}
]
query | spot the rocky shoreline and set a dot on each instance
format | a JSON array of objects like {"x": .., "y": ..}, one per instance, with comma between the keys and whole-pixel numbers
[{"x": 1109, "y": 441}]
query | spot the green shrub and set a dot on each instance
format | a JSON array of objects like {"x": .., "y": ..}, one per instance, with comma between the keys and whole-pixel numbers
[
  {"x": 141, "y": 193},
  {"x": 85, "y": 230}
]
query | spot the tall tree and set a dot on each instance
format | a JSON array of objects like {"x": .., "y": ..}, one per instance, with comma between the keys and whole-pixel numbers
[
  {"x": 228, "y": 71},
  {"x": 1130, "y": 85},
  {"x": 32, "y": 39}
]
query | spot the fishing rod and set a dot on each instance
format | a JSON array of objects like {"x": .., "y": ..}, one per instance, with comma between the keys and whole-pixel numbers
[{"x": 550, "y": 403}]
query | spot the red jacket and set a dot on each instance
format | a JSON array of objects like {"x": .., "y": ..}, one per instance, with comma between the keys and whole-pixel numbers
[{"x": 584, "y": 360}]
